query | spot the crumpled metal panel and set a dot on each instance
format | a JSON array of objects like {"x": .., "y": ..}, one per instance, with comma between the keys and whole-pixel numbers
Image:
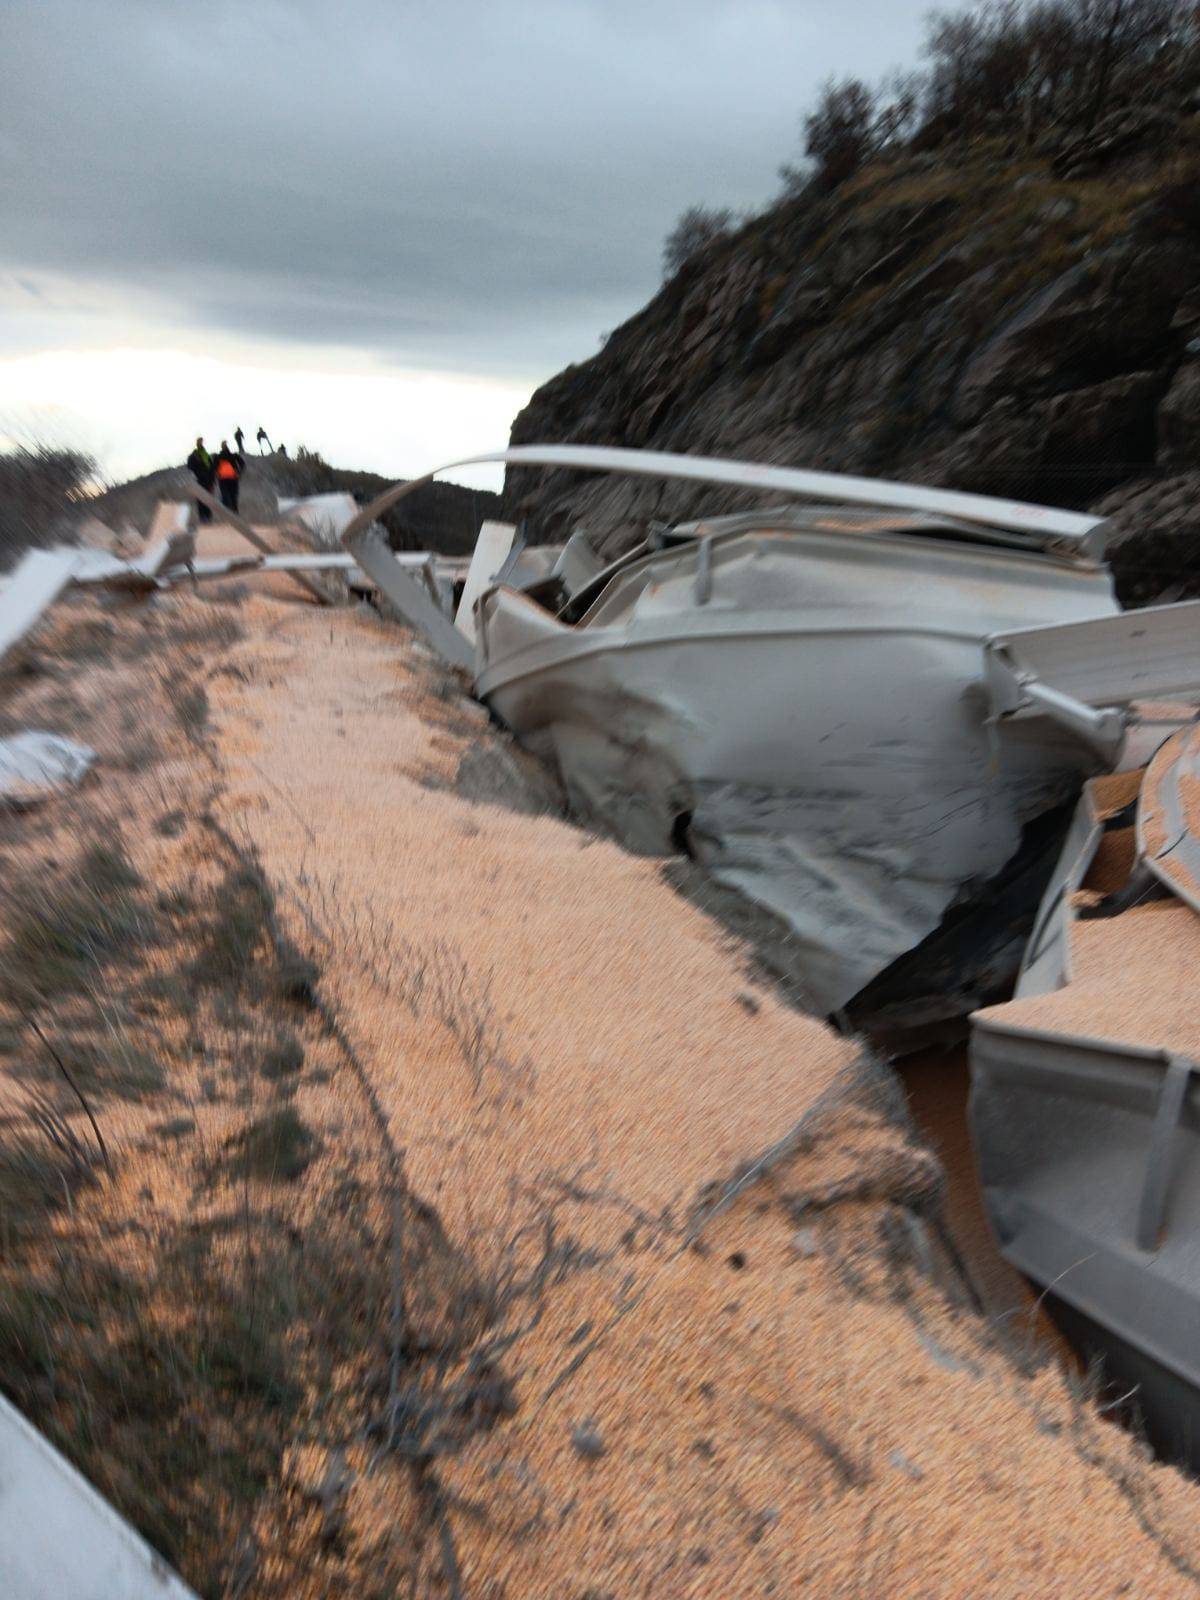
[{"x": 806, "y": 708}]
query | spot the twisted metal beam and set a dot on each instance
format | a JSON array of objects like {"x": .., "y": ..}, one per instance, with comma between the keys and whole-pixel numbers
[{"x": 1013, "y": 516}]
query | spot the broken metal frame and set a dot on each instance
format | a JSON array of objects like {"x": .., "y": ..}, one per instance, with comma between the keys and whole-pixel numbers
[
  {"x": 1086, "y": 1137},
  {"x": 1046, "y": 962},
  {"x": 1086, "y": 1153},
  {"x": 1073, "y": 1063},
  {"x": 1088, "y": 676},
  {"x": 42, "y": 575}
]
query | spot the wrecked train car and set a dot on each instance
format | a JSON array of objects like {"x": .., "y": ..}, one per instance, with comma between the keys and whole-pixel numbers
[{"x": 795, "y": 696}]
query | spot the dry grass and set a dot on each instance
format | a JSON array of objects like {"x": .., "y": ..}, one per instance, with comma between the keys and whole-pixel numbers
[
  {"x": 39, "y": 491},
  {"x": 181, "y": 1375},
  {"x": 224, "y": 1280}
]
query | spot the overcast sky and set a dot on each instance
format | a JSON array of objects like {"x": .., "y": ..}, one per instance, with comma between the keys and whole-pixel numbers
[{"x": 381, "y": 224}]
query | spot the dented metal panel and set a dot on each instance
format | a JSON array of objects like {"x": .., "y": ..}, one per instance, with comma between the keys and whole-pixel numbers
[
  {"x": 798, "y": 695},
  {"x": 806, "y": 710}
]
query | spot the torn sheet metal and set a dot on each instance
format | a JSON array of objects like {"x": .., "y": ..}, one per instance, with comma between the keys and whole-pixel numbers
[
  {"x": 578, "y": 564},
  {"x": 325, "y": 516},
  {"x": 528, "y": 565},
  {"x": 34, "y": 764},
  {"x": 170, "y": 518},
  {"x": 491, "y": 548},
  {"x": 59, "y": 1538},
  {"x": 804, "y": 708},
  {"x": 1085, "y": 1106},
  {"x": 175, "y": 548}
]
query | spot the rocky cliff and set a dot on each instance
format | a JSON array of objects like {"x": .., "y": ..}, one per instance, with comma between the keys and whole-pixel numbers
[{"x": 1023, "y": 324}]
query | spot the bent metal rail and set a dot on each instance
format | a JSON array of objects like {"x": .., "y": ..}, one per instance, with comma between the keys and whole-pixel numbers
[{"x": 1067, "y": 529}]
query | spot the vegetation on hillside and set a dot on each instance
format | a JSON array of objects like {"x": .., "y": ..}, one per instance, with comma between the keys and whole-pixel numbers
[
  {"x": 39, "y": 488},
  {"x": 1025, "y": 72}
]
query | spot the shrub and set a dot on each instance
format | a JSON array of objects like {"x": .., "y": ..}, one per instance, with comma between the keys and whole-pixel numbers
[
  {"x": 278, "y": 1145},
  {"x": 284, "y": 1058},
  {"x": 696, "y": 229},
  {"x": 64, "y": 926},
  {"x": 39, "y": 489}
]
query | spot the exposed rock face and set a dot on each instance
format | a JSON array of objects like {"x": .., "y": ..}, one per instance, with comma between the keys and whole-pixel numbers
[
  {"x": 986, "y": 326},
  {"x": 1154, "y": 538},
  {"x": 1179, "y": 419}
]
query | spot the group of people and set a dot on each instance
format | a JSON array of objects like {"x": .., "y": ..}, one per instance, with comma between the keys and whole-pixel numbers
[{"x": 222, "y": 471}]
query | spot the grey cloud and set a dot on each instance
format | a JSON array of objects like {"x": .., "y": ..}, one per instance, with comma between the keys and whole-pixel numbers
[{"x": 463, "y": 184}]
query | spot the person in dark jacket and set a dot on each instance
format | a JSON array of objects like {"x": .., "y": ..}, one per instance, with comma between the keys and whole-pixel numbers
[
  {"x": 230, "y": 466},
  {"x": 261, "y": 439},
  {"x": 239, "y": 439},
  {"x": 204, "y": 469}
]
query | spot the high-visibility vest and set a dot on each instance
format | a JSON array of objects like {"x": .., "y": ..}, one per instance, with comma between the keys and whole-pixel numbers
[{"x": 226, "y": 469}]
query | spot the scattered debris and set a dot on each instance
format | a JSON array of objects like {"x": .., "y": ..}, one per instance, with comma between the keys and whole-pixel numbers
[
  {"x": 324, "y": 516},
  {"x": 36, "y": 584},
  {"x": 572, "y": 1218},
  {"x": 34, "y": 764}
]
